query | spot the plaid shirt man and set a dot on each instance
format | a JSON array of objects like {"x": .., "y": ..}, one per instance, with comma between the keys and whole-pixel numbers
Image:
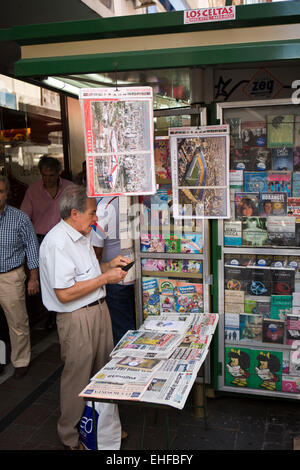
[{"x": 17, "y": 240}]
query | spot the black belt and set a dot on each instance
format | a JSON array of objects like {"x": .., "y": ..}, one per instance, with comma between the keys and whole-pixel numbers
[{"x": 96, "y": 302}]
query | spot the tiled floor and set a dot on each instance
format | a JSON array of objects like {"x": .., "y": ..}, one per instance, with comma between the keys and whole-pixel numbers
[{"x": 29, "y": 409}]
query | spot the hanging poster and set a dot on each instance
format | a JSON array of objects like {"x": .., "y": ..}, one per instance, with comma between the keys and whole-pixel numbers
[
  {"x": 200, "y": 172},
  {"x": 118, "y": 130}
]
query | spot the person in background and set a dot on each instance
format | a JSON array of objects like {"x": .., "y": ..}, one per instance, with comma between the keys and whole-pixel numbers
[
  {"x": 41, "y": 200},
  {"x": 120, "y": 297},
  {"x": 41, "y": 204},
  {"x": 73, "y": 284},
  {"x": 17, "y": 243}
]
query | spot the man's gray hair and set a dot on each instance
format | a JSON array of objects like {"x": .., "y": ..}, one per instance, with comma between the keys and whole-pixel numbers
[
  {"x": 73, "y": 197},
  {"x": 5, "y": 180}
]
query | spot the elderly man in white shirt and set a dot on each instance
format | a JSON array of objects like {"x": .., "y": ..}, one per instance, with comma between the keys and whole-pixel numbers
[{"x": 73, "y": 284}]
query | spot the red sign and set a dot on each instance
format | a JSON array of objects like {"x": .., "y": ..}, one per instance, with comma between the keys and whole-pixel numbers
[{"x": 209, "y": 14}]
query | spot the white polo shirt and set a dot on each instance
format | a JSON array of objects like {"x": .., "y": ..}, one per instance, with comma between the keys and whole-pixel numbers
[{"x": 66, "y": 257}]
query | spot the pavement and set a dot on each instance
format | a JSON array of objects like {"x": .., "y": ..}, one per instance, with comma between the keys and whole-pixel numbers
[{"x": 29, "y": 409}]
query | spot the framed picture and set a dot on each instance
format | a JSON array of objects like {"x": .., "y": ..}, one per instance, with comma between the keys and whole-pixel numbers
[
  {"x": 118, "y": 130},
  {"x": 200, "y": 172}
]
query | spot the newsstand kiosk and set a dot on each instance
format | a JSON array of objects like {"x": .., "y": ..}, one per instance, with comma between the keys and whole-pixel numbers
[{"x": 240, "y": 71}]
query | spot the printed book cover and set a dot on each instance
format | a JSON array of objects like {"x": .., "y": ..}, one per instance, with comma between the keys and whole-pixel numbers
[
  {"x": 281, "y": 305},
  {"x": 235, "y": 131},
  {"x": 272, "y": 204},
  {"x": 254, "y": 133},
  {"x": 232, "y": 233},
  {"x": 292, "y": 329},
  {"x": 273, "y": 331},
  {"x": 267, "y": 365},
  {"x": 261, "y": 158},
  {"x": 246, "y": 204},
  {"x": 240, "y": 159},
  {"x": 254, "y": 231},
  {"x": 255, "y": 181},
  {"x": 296, "y": 165},
  {"x": 237, "y": 367},
  {"x": 296, "y": 184},
  {"x": 281, "y": 231},
  {"x": 280, "y": 131},
  {"x": 232, "y": 327},
  {"x": 250, "y": 327},
  {"x": 293, "y": 206},
  {"x": 279, "y": 181},
  {"x": 282, "y": 159}
]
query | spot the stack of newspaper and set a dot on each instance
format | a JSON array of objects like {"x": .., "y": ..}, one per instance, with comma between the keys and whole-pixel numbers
[{"x": 157, "y": 363}]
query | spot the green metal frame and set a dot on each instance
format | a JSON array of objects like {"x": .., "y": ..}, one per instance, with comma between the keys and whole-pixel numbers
[
  {"x": 158, "y": 23},
  {"x": 161, "y": 23},
  {"x": 157, "y": 59}
]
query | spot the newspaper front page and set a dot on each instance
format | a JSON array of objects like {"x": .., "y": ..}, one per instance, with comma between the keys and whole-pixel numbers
[{"x": 156, "y": 366}]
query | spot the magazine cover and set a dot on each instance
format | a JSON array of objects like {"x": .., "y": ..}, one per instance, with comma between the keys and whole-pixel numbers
[
  {"x": 281, "y": 231},
  {"x": 173, "y": 265},
  {"x": 191, "y": 243},
  {"x": 273, "y": 331},
  {"x": 240, "y": 159},
  {"x": 295, "y": 362},
  {"x": 246, "y": 204},
  {"x": 255, "y": 181},
  {"x": 172, "y": 244},
  {"x": 234, "y": 278},
  {"x": 153, "y": 264},
  {"x": 254, "y": 133},
  {"x": 279, "y": 181},
  {"x": 254, "y": 231},
  {"x": 152, "y": 243},
  {"x": 267, "y": 365},
  {"x": 261, "y": 158},
  {"x": 200, "y": 172},
  {"x": 162, "y": 158},
  {"x": 272, "y": 204},
  {"x": 235, "y": 125},
  {"x": 237, "y": 369},
  {"x": 296, "y": 155},
  {"x": 232, "y": 233},
  {"x": 296, "y": 184},
  {"x": 293, "y": 206},
  {"x": 191, "y": 266},
  {"x": 280, "y": 131},
  {"x": 232, "y": 327},
  {"x": 283, "y": 281},
  {"x": 258, "y": 281},
  {"x": 189, "y": 297},
  {"x": 118, "y": 130},
  {"x": 282, "y": 159},
  {"x": 150, "y": 289},
  {"x": 281, "y": 305},
  {"x": 292, "y": 329}
]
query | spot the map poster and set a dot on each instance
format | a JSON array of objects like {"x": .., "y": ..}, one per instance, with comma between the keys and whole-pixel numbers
[
  {"x": 118, "y": 131},
  {"x": 200, "y": 172}
]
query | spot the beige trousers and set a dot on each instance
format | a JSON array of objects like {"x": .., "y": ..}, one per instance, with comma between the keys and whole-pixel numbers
[
  {"x": 86, "y": 341},
  {"x": 12, "y": 301}
]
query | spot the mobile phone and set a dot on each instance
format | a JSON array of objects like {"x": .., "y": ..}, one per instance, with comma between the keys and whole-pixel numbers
[{"x": 128, "y": 266}]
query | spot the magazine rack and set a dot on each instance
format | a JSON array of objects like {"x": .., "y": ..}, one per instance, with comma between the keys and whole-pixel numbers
[
  {"x": 173, "y": 258},
  {"x": 259, "y": 263}
]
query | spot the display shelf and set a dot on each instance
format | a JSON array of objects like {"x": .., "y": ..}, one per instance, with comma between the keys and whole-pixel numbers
[{"x": 262, "y": 365}]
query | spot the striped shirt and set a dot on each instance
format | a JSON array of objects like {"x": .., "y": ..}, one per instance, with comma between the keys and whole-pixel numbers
[{"x": 17, "y": 240}]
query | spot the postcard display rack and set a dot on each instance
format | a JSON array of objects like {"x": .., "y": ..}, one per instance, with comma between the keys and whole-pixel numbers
[
  {"x": 173, "y": 254},
  {"x": 259, "y": 269}
]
